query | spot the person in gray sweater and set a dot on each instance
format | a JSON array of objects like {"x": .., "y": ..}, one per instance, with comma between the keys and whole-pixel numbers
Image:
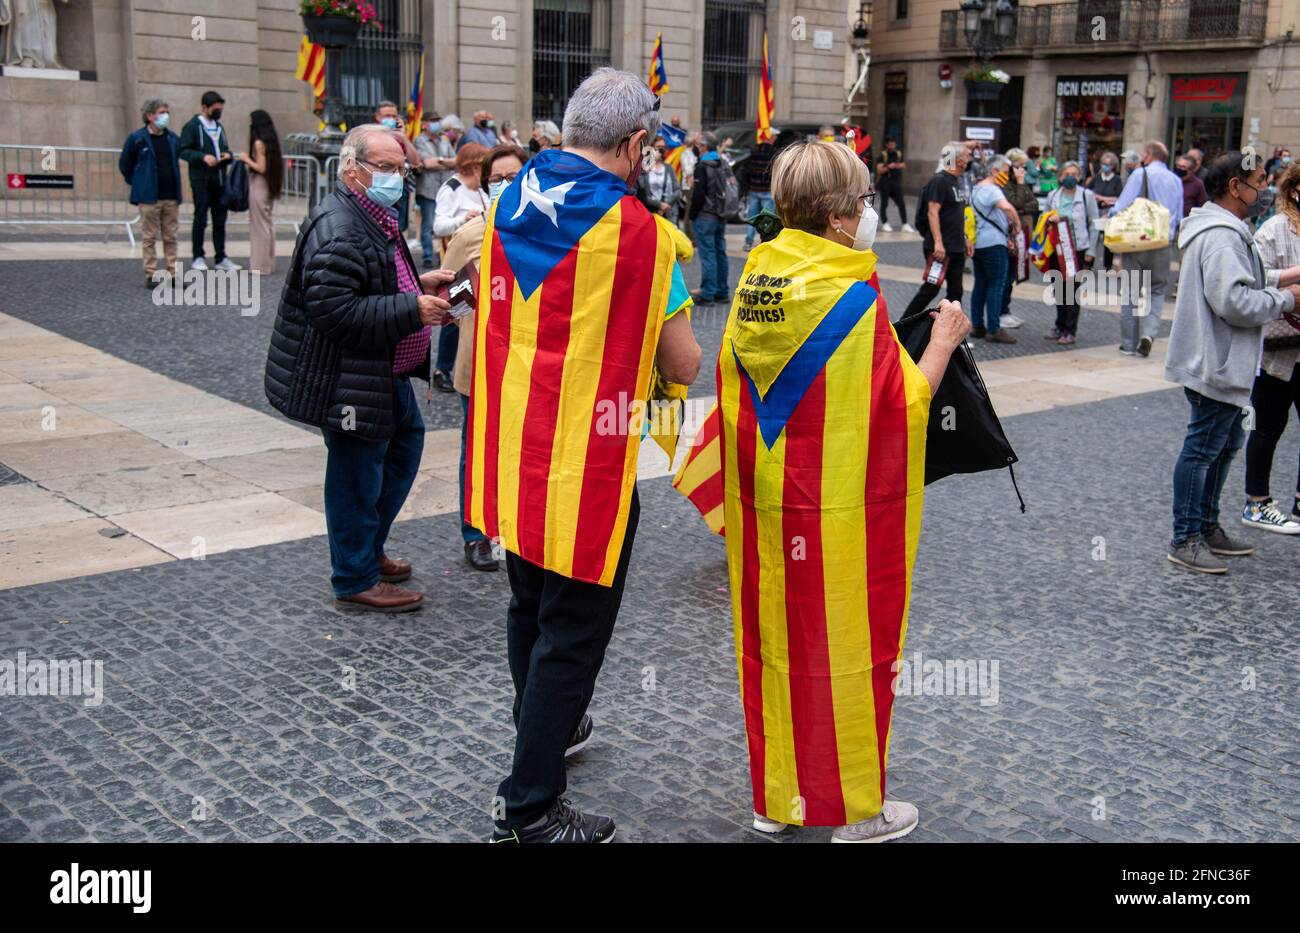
[{"x": 1224, "y": 301}]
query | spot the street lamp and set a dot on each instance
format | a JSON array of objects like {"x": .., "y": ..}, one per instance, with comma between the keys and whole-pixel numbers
[
  {"x": 862, "y": 28},
  {"x": 989, "y": 25}
]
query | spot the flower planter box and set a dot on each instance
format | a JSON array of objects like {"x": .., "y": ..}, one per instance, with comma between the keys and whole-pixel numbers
[
  {"x": 332, "y": 31},
  {"x": 983, "y": 90}
]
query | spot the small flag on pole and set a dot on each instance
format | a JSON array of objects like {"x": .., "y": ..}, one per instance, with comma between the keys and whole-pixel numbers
[
  {"x": 658, "y": 74},
  {"x": 765, "y": 104},
  {"x": 311, "y": 66},
  {"x": 415, "y": 104}
]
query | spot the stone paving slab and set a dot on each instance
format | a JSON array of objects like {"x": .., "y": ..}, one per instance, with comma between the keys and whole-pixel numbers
[{"x": 1120, "y": 686}]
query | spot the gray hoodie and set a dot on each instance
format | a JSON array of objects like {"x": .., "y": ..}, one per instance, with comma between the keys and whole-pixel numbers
[{"x": 1223, "y": 304}]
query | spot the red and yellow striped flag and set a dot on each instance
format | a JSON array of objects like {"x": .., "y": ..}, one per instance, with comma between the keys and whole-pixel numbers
[
  {"x": 576, "y": 280},
  {"x": 311, "y": 66},
  {"x": 658, "y": 73},
  {"x": 765, "y": 98},
  {"x": 823, "y": 427},
  {"x": 699, "y": 478}
]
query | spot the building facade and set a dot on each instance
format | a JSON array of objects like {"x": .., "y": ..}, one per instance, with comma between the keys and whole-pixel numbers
[
  {"x": 1092, "y": 75},
  {"x": 517, "y": 58}
]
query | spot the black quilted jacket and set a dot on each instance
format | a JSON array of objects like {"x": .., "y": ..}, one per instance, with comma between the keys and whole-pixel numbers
[{"x": 340, "y": 317}]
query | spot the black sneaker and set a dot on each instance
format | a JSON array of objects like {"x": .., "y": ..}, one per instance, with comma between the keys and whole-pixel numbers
[
  {"x": 1144, "y": 346},
  {"x": 581, "y": 736},
  {"x": 562, "y": 824},
  {"x": 478, "y": 554},
  {"x": 1217, "y": 540},
  {"x": 979, "y": 333},
  {"x": 1295, "y": 510}
]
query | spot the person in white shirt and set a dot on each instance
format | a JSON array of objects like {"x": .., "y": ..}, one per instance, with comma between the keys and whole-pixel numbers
[{"x": 461, "y": 197}]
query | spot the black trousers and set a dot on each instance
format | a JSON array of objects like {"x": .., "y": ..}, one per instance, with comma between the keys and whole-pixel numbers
[
  {"x": 1010, "y": 284},
  {"x": 208, "y": 198},
  {"x": 557, "y": 630},
  {"x": 1272, "y": 399},
  {"x": 1067, "y": 313},
  {"x": 927, "y": 293},
  {"x": 891, "y": 190}
]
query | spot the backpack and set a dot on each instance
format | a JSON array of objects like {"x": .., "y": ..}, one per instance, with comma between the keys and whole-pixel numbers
[
  {"x": 729, "y": 195},
  {"x": 234, "y": 193}
]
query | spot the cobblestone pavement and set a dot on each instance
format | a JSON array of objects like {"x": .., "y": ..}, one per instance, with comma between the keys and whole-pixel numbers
[
  {"x": 219, "y": 351},
  {"x": 1121, "y": 686}
]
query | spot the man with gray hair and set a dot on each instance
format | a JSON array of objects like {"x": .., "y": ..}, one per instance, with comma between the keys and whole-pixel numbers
[
  {"x": 588, "y": 318},
  {"x": 353, "y": 326},
  {"x": 150, "y": 163},
  {"x": 942, "y": 212},
  {"x": 1148, "y": 271}
]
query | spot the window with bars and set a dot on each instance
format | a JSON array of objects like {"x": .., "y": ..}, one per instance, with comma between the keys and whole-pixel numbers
[
  {"x": 383, "y": 63},
  {"x": 570, "y": 41},
  {"x": 733, "y": 59}
]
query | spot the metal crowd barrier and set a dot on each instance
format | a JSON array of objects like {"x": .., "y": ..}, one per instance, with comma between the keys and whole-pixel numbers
[
  {"x": 64, "y": 185},
  {"x": 79, "y": 186}
]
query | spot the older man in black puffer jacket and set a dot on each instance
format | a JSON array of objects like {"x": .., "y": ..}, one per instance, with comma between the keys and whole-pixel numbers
[{"x": 352, "y": 327}]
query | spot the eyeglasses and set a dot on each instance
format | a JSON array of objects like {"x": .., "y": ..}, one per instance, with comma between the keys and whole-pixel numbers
[
  {"x": 869, "y": 197},
  {"x": 399, "y": 169},
  {"x": 495, "y": 179}
]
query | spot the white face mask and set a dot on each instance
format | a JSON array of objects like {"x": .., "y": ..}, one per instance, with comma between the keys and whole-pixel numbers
[{"x": 865, "y": 236}]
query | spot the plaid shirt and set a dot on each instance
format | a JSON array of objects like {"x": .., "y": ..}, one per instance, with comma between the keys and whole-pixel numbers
[{"x": 412, "y": 348}]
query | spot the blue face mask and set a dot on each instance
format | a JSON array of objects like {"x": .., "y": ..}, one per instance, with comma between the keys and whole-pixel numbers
[
  {"x": 1069, "y": 182},
  {"x": 435, "y": 128},
  {"x": 389, "y": 122},
  {"x": 495, "y": 188},
  {"x": 385, "y": 188},
  {"x": 162, "y": 120}
]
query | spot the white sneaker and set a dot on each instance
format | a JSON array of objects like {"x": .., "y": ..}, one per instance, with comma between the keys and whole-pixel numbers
[
  {"x": 1010, "y": 322},
  {"x": 895, "y": 820},
  {"x": 199, "y": 264},
  {"x": 887, "y": 228},
  {"x": 908, "y": 228},
  {"x": 771, "y": 827},
  {"x": 228, "y": 265},
  {"x": 1269, "y": 517}
]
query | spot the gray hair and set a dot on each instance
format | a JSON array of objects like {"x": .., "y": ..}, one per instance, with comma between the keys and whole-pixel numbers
[
  {"x": 1109, "y": 158},
  {"x": 1017, "y": 156},
  {"x": 1071, "y": 165},
  {"x": 384, "y": 103},
  {"x": 707, "y": 141},
  {"x": 549, "y": 130},
  {"x": 356, "y": 145},
  {"x": 948, "y": 154},
  {"x": 997, "y": 164},
  {"x": 608, "y": 107},
  {"x": 452, "y": 122},
  {"x": 1130, "y": 157},
  {"x": 153, "y": 106}
]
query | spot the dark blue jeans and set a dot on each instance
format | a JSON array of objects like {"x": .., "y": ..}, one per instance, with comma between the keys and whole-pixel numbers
[
  {"x": 711, "y": 241},
  {"x": 990, "y": 281},
  {"x": 467, "y": 531},
  {"x": 207, "y": 199},
  {"x": 1214, "y": 435},
  {"x": 366, "y": 483}
]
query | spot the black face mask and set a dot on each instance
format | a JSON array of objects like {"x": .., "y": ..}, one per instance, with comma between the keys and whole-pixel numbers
[
  {"x": 534, "y": 145},
  {"x": 215, "y": 113},
  {"x": 483, "y": 124},
  {"x": 1180, "y": 172}
]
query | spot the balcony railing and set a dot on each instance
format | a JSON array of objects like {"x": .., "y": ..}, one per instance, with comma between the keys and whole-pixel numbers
[{"x": 1087, "y": 24}]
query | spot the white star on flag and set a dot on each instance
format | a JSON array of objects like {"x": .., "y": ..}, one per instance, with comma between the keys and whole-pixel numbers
[{"x": 531, "y": 193}]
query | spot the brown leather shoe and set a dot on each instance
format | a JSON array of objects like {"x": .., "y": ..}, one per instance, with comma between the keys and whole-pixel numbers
[
  {"x": 999, "y": 336},
  {"x": 393, "y": 571},
  {"x": 382, "y": 597}
]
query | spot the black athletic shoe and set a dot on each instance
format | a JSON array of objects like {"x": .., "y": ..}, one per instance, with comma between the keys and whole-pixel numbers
[
  {"x": 581, "y": 736},
  {"x": 562, "y": 824},
  {"x": 442, "y": 382},
  {"x": 978, "y": 333},
  {"x": 1144, "y": 346}
]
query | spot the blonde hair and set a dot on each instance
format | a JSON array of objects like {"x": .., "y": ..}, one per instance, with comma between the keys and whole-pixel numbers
[
  {"x": 1287, "y": 186},
  {"x": 1018, "y": 157},
  {"x": 811, "y": 181}
]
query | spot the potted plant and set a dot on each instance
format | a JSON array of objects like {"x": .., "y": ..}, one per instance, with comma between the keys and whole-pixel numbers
[
  {"x": 335, "y": 23},
  {"x": 985, "y": 83}
]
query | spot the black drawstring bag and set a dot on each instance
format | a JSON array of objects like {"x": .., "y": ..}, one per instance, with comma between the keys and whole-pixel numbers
[
  {"x": 964, "y": 435},
  {"x": 234, "y": 194}
]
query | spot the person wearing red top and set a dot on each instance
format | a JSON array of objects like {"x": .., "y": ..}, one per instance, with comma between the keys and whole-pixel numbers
[{"x": 1193, "y": 188}]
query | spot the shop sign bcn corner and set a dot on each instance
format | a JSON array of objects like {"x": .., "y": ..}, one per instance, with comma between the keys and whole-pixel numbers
[{"x": 1204, "y": 88}]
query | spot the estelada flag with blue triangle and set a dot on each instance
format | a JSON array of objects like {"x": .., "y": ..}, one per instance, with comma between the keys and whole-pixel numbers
[
  {"x": 658, "y": 73},
  {"x": 576, "y": 281},
  {"x": 415, "y": 104},
  {"x": 822, "y": 435},
  {"x": 674, "y": 145}
]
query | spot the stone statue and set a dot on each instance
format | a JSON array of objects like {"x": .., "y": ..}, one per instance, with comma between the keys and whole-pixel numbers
[{"x": 30, "y": 33}]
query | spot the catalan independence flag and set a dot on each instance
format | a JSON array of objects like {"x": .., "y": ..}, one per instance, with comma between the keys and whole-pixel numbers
[
  {"x": 576, "y": 281},
  {"x": 699, "y": 478},
  {"x": 415, "y": 103},
  {"x": 658, "y": 73},
  {"x": 674, "y": 138},
  {"x": 1042, "y": 246},
  {"x": 822, "y": 442},
  {"x": 311, "y": 66},
  {"x": 766, "y": 105}
]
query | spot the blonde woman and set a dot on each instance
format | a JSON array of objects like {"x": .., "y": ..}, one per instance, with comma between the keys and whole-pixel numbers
[{"x": 822, "y": 433}]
